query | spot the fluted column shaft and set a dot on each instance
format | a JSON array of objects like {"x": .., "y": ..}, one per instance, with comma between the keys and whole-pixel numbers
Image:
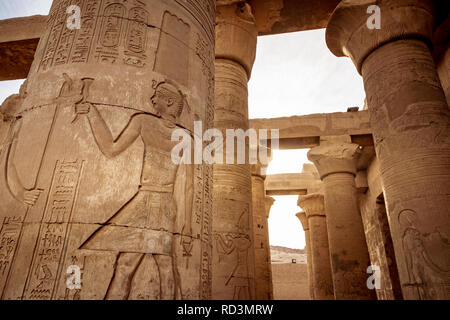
[
  {"x": 410, "y": 121},
  {"x": 320, "y": 256}
]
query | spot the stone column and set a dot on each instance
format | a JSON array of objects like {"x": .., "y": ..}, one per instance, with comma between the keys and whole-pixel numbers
[
  {"x": 260, "y": 236},
  {"x": 304, "y": 221},
  {"x": 313, "y": 206},
  {"x": 233, "y": 263},
  {"x": 335, "y": 159},
  {"x": 410, "y": 121},
  {"x": 87, "y": 182},
  {"x": 268, "y": 205}
]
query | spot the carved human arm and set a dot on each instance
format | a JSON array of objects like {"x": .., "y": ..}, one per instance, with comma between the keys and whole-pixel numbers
[
  {"x": 103, "y": 136},
  {"x": 12, "y": 180},
  {"x": 226, "y": 246}
]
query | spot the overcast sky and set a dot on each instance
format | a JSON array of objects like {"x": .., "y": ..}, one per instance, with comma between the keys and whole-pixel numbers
[{"x": 294, "y": 74}]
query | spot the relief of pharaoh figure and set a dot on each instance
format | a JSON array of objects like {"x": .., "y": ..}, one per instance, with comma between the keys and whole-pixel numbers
[
  {"x": 144, "y": 227},
  {"x": 239, "y": 243}
]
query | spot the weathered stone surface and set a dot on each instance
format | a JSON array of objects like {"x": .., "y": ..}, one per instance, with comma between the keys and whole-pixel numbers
[
  {"x": 378, "y": 236},
  {"x": 335, "y": 159},
  {"x": 410, "y": 121},
  {"x": 290, "y": 281},
  {"x": 298, "y": 132},
  {"x": 313, "y": 206},
  {"x": 87, "y": 178},
  {"x": 263, "y": 277},
  {"x": 233, "y": 264},
  {"x": 280, "y": 16},
  {"x": 291, "y": 183}
]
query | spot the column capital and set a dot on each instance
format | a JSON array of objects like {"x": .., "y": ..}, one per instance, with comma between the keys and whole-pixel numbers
[
  {"x": 236, "y": 33},
  {"x": 335, "y": 158},
  {"x": 303, "y": 219},
  {"x": 312, "y": 204},
  {"x": 348, "y": 32},
  {"x": 268, "y": 204}
]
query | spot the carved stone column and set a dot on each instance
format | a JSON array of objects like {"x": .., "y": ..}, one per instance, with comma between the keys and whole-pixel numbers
[
  {"x": 335, "y": 159},
  {"x": 261, "y": 236},
  {"x": 304, "y": 221},
  {"x": 88, "y": 185},
  {"x": 268, "y": 205},
  {"x": 233, "y": 262},
  {"x": 313, "y": 206},
  {"x": 410, "y": 121}
]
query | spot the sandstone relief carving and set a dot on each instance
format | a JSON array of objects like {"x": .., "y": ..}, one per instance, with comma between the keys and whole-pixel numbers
[
  {"x": 144, "y": 227},
  {"x": 239, "y": 243},
  {"x": 425, "y": 256}
]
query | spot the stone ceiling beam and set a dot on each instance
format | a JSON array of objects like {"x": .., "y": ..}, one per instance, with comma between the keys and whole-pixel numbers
[
  {"x": 291, "y": 184},
  {"x": 300, "y": 132},
  {"x": 19, "y": 38},
  {"x": 281, "y": 16}
]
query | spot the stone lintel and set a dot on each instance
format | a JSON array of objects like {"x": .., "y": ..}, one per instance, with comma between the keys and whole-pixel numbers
[
  {"x": 299, "y": 132},
  {"x": 19, "y": 38},
  {"x": 291, "y": 183},
  {"x": 281, "y": 16}
]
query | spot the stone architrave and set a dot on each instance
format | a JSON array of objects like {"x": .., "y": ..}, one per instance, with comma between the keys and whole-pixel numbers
[
  {"x": 233, "y": 254},
  {"x": 335, "y": 159},
  {"x": 92, "y": 205},
  {"x": 313, "y": 206},
  {"x": 410, "y": 120},
  {"x": 305, "y": 225}
]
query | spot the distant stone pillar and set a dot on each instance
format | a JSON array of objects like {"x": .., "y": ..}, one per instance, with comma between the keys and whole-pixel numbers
[
  {"x": 410, "y": 121},
  {"x": 233, "y": 258},
  {"x": 313, "y": 205},
  {"x": 260, "y": 236},
  {"x": 304, "y": 221},
  {"x": 335, "y": 159},
  {"x": 268, "y": 205}
]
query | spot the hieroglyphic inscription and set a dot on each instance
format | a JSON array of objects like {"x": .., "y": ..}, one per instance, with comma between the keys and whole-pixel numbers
[
  {"x": 85, "y": 36},
  {"x": 56, "y": 21},
  {"x": 66, "y": 41},
  {"x": 114, "y": 32},
  {"x": 111, "y": 29},
  {"x": 53, "y": 233},
  {"x": 206, "y": 254},
  {"x": 198, "y": 194},
  {"x": 9, "y": 235},
  {"x": 136, "y": 39}
]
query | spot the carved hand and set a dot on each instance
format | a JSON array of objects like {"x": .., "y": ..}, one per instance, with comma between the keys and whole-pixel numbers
[
  {"x": 83, "y": 108},
  {"x": 30, "y": 196},
  {"x": 186, "y": 243}
]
